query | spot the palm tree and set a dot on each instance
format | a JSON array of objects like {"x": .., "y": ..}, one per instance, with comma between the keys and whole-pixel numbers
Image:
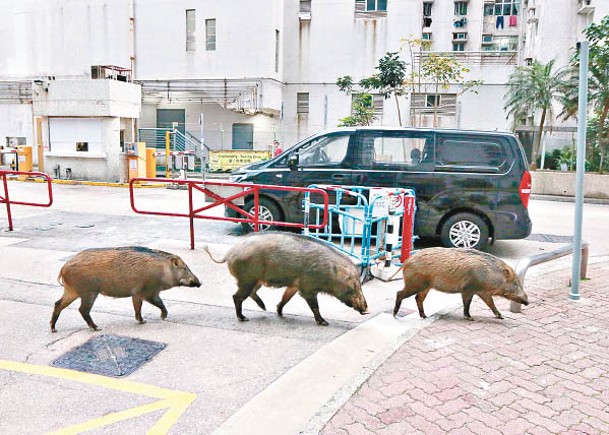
[{"x": 533, "y": 89}]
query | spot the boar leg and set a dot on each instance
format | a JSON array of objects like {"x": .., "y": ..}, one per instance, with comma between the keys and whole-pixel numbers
[
  {"x": 312, "y": 301},
  {"x": 256, "y": 298},
  {"x": 137, "y": 307},
  {"x": 287, "y": 295},
  {"x": 403, "y": 294},
  {"x": 467, "y": 301},
  {"x": 66, "y": 299},
  {"x": 491, "y": 304},
  {"x": 420, "y": 297},
  {"x": 244, "y": 291},
  {"x": 86, "y": 303},
  {"x": 158, "y": 302}
]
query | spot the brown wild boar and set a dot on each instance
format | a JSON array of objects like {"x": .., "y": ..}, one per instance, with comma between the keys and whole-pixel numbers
[
  {"x": 119, "y": 273},
  {"x": 301, "y": 264},
  {"x": 455, "y": 270}
]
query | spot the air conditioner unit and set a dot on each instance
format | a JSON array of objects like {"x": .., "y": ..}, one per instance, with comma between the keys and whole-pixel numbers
[
  {"x": 304, "y": 16},
  {"x": 585, "y": 7}
]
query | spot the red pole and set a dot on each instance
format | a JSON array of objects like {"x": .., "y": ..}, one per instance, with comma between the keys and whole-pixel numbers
[
  {"x": 191, "y": 217},
  {"x": 407, "y": 227},
  {"x": 8, "y": 203}
]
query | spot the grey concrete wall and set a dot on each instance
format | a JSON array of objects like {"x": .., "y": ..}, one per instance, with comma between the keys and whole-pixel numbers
[{"x": 563, "y": 184}]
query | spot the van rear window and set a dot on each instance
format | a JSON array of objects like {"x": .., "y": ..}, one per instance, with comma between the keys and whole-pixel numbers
[{"x": 468, "y": 153}]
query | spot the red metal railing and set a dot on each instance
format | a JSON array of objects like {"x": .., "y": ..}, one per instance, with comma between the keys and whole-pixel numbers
[
  {"x": 6, "y": 198},
  {"x": 247, "y": 190}
]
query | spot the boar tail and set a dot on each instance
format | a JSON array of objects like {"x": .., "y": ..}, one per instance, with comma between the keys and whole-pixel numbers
[
  {"x": 206, "y": 249},
  {"x": 59, "y": 280}
]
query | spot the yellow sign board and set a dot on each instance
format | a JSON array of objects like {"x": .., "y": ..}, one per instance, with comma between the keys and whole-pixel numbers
[{"x": 227, "y": 160}]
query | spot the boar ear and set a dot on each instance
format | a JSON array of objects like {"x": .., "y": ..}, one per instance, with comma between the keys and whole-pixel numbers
[
  {"x": 175, "y": 262},
  {"x": 341, "y": 272},
  {"x": 508, "y": 273}
]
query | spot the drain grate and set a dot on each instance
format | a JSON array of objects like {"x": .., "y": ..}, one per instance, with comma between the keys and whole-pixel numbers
[
  {"x": 110, "y": 355},
  {"x": 550, "y": 238}
]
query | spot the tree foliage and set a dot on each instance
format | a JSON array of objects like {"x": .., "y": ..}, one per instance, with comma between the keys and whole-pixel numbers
[
  {"x": 532, "y": 90},
  {"x": 598, "y": 90}
]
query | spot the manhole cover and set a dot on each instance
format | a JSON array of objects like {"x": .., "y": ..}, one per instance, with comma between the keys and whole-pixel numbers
[
  {"x": 109, "y": 355},
  {"x": 550, "y": 238}
]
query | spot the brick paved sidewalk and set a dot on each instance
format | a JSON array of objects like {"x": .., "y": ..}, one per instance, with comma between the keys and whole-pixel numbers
[{"x": 543, "y": 371}]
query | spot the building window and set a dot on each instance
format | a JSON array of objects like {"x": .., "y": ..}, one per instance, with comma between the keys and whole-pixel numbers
[
  {"x": 82, "y": 146},
  {"x": 302, "y": 103},
  {"x": 461, "y": 36},
  {"x": 276, "y": 50},
  {"x": 426, "y": 36},
  {"x": 489, "y": 9},
  {"x": 376, "y": 5},
  {"x": 460, "y": 8},
  {"x": 458, "y": 46},
  {"x": 376, "y": 104},
  {"x": 190, "y": 30},
  {"x": 210, "y": 34},
  {"x": 304, "y": 11},
  {"x": 445, "y": 103},
  {"x": 507, "y": 7},
  {"x": 487, "y": 38},
  {"x": 427, "y": 9}
]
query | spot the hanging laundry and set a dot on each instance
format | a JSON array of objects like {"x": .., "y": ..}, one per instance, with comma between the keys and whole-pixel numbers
[
  {"x": 499, "y": 22},
  {"x": 513, "y": 21}
]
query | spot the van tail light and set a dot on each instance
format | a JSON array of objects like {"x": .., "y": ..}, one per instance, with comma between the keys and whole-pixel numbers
[{"x": 525, "y": 188}]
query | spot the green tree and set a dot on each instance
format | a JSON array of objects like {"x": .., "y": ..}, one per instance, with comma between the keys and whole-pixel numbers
[
  {"x": 534, "y": 89},
  {"x": 388, "y": 81},
  {"x": 362, "y": 108},
  {"x": 598, "y": 90},
  {"x": 442, "y": 70}
]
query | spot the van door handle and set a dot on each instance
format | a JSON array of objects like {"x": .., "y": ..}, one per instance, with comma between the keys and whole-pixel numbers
[
  {"x": 339, "y": 177},
  {"x": 360, "y": 178}
]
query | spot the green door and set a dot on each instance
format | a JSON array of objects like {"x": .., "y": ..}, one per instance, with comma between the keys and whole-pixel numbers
[{"x": 243, "y": 136}]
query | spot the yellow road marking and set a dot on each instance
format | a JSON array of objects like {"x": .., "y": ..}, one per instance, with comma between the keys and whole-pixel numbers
[{"x": 176, "y": 402}]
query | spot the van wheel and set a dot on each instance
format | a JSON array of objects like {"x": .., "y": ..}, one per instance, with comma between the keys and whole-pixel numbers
[
  {"x": 267, "y": 211},
  {"x": 464, "y": 230}
]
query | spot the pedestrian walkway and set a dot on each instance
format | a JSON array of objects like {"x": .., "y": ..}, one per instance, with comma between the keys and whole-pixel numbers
[{"x": 544, "y": 371}]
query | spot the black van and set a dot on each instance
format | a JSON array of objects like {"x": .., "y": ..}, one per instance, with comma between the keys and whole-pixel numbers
[{"x": 471, "y": 186}]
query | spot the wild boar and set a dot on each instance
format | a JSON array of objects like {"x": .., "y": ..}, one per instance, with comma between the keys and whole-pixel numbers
[
  {"x": 119, "y": 273},
  {"x": 455, "y": 270},
  {"x": 303, "y": 265}
]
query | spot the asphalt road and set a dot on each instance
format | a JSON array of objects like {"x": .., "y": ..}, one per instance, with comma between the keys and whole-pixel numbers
[{"x": 213, "y": 366}]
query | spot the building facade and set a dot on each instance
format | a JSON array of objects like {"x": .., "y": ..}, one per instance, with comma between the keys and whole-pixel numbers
[{"x": 242, "y": 73}]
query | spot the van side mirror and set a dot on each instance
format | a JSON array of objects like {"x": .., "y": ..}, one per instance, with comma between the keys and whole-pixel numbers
[{"x": 293, "y": 161}]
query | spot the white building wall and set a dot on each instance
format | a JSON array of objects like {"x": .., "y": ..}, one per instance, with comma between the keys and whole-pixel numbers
[
  {"x": 16, "y": 121},
  {"x": 245, "y": 39},
  {"x": 62, "y": 38}
]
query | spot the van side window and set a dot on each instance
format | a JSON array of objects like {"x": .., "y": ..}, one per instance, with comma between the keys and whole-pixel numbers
[
  {"x": 324, "y": 150},
  {"x": 470, "y": 153},
  {"x": 408, "y": 151}
]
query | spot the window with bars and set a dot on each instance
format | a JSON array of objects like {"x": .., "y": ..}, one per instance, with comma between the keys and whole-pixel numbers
[
  {"x": 507, "y": 7},
  {"x": 377, "y": 104},
  {"x": 427, "y": 9},
  {"x": 190, "y": 30},
  {"x": 370, "y": 8},
  {"x": 446, "y": 104},
  {"x": 277, "y": 46},
  {"x": 302, "y": 103},
  {"x": 376, "y": 5},
  {"x": 460, "y": 8},
  {"x": 210, "y": 34}
]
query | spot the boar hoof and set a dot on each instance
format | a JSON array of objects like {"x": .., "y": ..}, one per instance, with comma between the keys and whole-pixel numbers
[
  {"x": 53, "y": 330},
  {"x": 322, "y": 322},
  {"x": 142, "y": 321},
  {"x": 499, "y": 316},
  {"x": 470, "y": 318},
  {"x": 243, "y": 319}
]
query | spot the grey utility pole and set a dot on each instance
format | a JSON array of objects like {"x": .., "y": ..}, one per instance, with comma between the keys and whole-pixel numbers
[{"x": 581, "y": 166}]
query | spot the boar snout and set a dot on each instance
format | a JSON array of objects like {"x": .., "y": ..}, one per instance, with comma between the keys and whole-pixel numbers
[
  {"x": 192, "y": 282},
  {"x": 360, "y": 305}
]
